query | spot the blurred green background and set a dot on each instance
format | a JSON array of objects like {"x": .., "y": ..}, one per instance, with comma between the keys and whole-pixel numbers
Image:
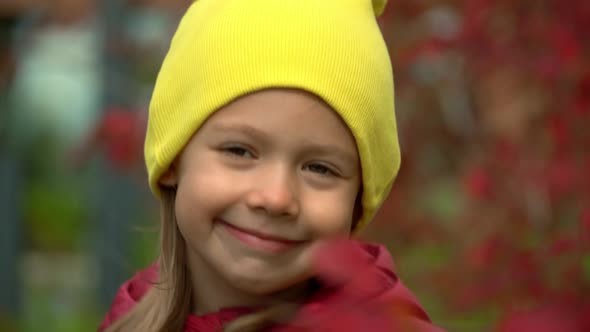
[{"x": 488, "y": 222}]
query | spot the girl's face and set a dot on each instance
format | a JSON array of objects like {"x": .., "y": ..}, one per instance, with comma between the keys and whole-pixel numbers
[{"x": 260, "y": 184}]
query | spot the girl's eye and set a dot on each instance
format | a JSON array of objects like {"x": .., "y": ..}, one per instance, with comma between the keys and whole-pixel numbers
[
  {"x": 238, "y": 151},
  {"x": 320, "y": 169}
]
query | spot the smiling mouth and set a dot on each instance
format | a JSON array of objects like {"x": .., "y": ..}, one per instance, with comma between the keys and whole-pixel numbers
[{"x": 260, "y": 242}]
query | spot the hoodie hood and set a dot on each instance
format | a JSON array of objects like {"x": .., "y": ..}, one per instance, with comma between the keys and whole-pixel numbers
[{"x": 356, "y": 280}]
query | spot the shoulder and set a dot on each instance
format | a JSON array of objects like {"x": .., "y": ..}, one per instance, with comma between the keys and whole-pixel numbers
[
  {"x": 404, "y": 305},
  {"x": 361, "y": 288},
  {"x": 129, "y": 294}
]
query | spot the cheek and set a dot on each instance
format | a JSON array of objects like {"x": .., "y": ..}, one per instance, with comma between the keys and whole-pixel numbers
[
  {"x": 204, "y": 188},
  {"x": 189, "y": 216},
  {"x": 198, "y": 200},
  {"x": 330, "y": 215}
]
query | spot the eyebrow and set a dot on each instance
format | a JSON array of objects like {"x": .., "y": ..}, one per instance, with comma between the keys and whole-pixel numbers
[
  {"x": 247, "y": 130},
  {"x": 336, "y": 151},
  {"x": 312, "y": 147}
]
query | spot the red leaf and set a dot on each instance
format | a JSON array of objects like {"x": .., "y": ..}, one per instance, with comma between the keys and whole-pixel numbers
[
  {"x": 549, "y": 319},
  {"x": 562, "y": 245},
  {"x": 121, "y": 134},
  {"x": 585, "y": 224},
  {"x": 478, "y": 183}
]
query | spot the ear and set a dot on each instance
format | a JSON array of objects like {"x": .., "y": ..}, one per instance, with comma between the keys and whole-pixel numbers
[
  {"x": 169, "y": 178},
  {"x": 357, "y": 212}
]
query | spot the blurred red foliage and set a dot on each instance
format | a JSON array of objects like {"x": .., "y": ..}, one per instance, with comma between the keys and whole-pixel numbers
[
  {"x": 118, "y": 135},
  {"x": 506, "y": 197},
  {"x": 121, "y": 134}
]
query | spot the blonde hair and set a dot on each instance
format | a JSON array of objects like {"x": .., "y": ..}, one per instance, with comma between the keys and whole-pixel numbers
[{"x": 166, "y": 305}]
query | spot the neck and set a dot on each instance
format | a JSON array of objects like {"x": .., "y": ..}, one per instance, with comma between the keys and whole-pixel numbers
[{"x": 211, "y": 292}]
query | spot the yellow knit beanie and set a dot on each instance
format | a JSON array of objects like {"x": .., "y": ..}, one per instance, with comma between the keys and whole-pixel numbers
[{"x": 224, "y": 49}]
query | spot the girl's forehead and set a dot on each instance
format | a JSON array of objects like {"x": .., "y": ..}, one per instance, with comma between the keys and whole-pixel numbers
[
  {"x": 290, "y": 110},
  {"x": 283, "y": 116}
]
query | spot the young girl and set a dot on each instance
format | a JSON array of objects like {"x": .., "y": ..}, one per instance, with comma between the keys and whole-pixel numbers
[{"x": 271, "y": 132}]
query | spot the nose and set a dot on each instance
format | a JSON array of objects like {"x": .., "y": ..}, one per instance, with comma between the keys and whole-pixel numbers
[{"x": 275, "y": 193}]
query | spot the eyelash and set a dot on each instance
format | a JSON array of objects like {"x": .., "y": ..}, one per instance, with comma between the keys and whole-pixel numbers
[
  {"x": 237, "y": 151},
  {"x": 325, "y": 170}
]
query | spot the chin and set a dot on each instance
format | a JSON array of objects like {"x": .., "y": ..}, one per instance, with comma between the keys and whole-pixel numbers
[
  {"x": 258, "y": 286},
  {"x": 264, "y": 284}
]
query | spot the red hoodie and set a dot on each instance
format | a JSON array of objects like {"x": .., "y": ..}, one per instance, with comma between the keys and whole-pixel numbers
[{"x": 359, "y": 292}]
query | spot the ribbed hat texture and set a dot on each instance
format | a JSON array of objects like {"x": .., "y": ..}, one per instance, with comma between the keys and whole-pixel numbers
[{"x": 225, "y": 49}]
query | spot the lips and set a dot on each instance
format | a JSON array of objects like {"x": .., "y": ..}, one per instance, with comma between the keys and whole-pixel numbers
[{"x": 259, "y": 241}]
